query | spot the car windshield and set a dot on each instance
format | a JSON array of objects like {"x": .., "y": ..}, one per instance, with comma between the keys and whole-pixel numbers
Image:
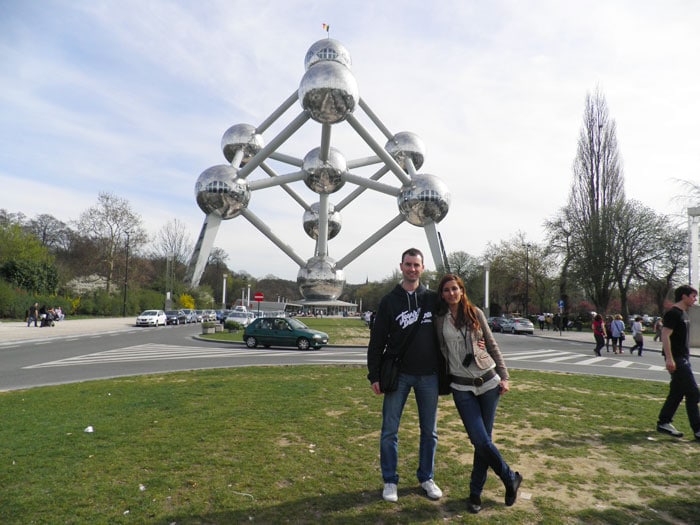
[
  {"x": 296, "y": 324},
  {"x": 149, "y": 312},
  {"x": 171, "y": 312}
]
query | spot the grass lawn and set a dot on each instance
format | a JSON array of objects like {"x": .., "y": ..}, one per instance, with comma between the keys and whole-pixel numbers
[{"x": 300, "y": 445}]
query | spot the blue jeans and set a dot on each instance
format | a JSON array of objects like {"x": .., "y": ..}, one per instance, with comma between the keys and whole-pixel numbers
[
  {"x": 425, "y": 389},
  {"x": 478, "y": 414}
]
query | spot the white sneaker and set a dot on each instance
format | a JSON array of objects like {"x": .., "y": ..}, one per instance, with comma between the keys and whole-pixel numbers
[
  {"x": 391, "y": 492},
  {"x": 668, "y": 428},
  {"x": 431, "y": 489}
]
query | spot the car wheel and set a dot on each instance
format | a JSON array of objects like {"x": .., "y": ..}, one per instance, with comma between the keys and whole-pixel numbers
[
  {"x": 251, "y": 342},
  {"x": 303, "y": 343}
]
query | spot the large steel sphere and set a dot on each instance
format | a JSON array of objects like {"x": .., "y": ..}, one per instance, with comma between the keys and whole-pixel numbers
[
  {"x": 406, "y": 145},
  {"x": 311, "y": 221},
  {"x": 319, "y": 280},
  {"x": 424, "y": 200},
  {"x": 241, "y": 137},
  {"x": 324, "y": 177},
  {"x": 327, "y": 50},
  {"x": 219, "y": 191},
  {"x": 329, "y": 92}
]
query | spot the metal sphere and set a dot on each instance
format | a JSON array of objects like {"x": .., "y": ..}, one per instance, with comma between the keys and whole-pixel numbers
[
  {"x": 406, "y": 145},
  {"x": 424, "y": 200},
  {"x": 319, "y": 280},
  {"x": 329, "y": 92},
  {"x": 327, "y": 50},
  {"x": 219, "y": 191},
  {"x": 324, "y": 177},
  {"x": 241, "y": 137},
  {"x": 311, "y": 221}
]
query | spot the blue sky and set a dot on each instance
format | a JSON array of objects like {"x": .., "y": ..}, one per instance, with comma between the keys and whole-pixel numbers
[{"x": 132, "y": 97}]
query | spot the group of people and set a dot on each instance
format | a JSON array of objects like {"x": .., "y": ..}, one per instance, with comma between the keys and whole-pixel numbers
[
  {"x": 438, "y": 334},
  {"x": 612, "y": 330},
  {"x": 43, "y": 316}
]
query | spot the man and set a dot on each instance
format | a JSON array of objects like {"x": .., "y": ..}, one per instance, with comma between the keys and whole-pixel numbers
[
  {"x": 675, "y": 342},
  {"x": 33, "y": 314},
  {"x": 404, "y": 322}
]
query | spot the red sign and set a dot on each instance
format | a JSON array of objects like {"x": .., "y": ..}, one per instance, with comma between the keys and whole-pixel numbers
[{"x": 259, "y": 297}]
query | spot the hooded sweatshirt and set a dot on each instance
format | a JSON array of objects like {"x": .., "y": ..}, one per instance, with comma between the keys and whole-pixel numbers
[{"x": 394, "y": 326}]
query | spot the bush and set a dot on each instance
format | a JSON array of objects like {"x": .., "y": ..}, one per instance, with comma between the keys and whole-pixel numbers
[{"x": 233, "y": 326}]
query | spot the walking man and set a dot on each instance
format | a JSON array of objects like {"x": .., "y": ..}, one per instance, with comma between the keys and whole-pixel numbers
[
  {"x": 33, "y": 314},
  {"x": 675, "y": 342},
  {"x": 404, "y": 325}
]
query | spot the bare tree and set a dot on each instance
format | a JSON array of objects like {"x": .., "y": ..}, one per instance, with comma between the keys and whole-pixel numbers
[
  {"x": 113, "y": 226},
  {"x": 588, "y": 221},
  {"x": 51, "y": 232},
  {"x": 172, "y": 240}
]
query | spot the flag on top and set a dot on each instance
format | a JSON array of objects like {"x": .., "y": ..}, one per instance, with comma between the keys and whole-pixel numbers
[{"x": 326, "y": 28}]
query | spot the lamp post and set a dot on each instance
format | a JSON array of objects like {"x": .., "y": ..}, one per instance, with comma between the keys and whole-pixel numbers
[
  {"x": 527, "y": 279},
  {"x": 126, "y": 273},
  {"x": 223, "y": 294},
  {"x": 487, "y": 269}
]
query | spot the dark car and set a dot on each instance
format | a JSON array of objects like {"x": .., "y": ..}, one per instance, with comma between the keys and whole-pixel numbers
[
  {"x": 175, "y": 317},
  {"x": 281, "y": 331},
  {"x": 496, "y": 323}
]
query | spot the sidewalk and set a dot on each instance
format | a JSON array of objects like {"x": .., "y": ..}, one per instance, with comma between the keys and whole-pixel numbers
[{"x": 18, "y": 330}]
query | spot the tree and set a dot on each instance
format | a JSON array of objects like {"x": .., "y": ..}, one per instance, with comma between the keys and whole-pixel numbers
[
  {"x": 111, "y": 224},
  {"x": 587, "y": 223},
  {"x": 51, "y": 232},
  {"x": 172, "y": 240}
]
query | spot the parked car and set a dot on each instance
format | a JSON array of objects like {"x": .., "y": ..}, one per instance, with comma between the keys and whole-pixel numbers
[
  {"x": 198, "y": 315},
  {"x": 175, "y": 317},
  {"x": 495, "y": 323},
  {"x": 152, "y": 318},
  {"x": 190, "y": 315},
  {"x": 241, "y": 318},
  {"x": 208, "y": 315},
  {"x": 518, "y": 325},
  {"x": 280, "y": 331}
]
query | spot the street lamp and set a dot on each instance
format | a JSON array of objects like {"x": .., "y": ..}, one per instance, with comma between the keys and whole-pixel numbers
[
  {"x": 223, "y": 294},
  {"x": 487, "y": 268},
  {"x": 126, "y": 273},
  {"x": 527, "y": 279}
]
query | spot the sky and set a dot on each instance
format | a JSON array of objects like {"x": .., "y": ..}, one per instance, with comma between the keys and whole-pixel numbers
[{"x": 132, "y": 97}]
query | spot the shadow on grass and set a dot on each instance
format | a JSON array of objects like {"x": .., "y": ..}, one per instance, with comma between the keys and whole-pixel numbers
[
  {"x": 364, "y": 507},
  {"x": 661, "y": 511}
]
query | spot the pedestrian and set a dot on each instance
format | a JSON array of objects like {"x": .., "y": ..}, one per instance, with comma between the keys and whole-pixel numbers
[
  {"x": 33, "y": 315},
  {"x": 540, "y": 320},
  {"x": 658, "y": 325},
  {"x": 403, "y": 324},
  {"x": 617, "y": 328},
  {"x": 478, "y": 378},
  {"x": 608, "y": 332},
  {"x": 638, "y": 336},
  {"x": 598, "y": 327},
  {"x": 675, "y": 346}
]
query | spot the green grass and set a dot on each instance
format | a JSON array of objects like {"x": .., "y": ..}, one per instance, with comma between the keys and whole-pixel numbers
[{"x": 300, "y": 445}]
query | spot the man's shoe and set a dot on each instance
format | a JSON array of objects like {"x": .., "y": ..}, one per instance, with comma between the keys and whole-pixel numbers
[
  {"x": 431, "y": 489},
  {"x": 391, "y": 492},
  {"x": 512, "y": 489},
  {"x": 697, "y": 435},
  {"x": 668, "y": 428},
  {"x": 474, "y": 504}
]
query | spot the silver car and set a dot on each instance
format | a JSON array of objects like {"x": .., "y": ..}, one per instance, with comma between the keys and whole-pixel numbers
[{"x": 519, "y": 325}]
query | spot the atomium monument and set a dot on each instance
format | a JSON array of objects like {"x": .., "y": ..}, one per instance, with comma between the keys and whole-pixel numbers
[{"x": 329, "y": 95}]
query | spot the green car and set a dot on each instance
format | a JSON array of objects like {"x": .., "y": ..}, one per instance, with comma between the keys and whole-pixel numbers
[{"x": 281, "y": 331}]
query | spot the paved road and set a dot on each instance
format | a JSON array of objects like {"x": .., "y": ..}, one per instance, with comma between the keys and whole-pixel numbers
[{"x": 74, "y": 351}]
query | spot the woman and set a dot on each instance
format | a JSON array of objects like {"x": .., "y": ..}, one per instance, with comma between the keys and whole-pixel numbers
[
  {"x": 598, "y": 333},
  {"x": 617, "y": 329},
  {"x": 478, "y": 377},
  {"x": 638, "y": 336}
]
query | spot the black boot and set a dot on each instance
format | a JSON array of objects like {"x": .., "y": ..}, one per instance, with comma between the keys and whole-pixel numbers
[
  {"x": 512, "y": 489},
  {"x": 474, "y": 504}
]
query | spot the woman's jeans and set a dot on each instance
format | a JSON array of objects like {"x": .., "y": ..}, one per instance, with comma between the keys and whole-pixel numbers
[
  {"x": 478, "y": 414},
  {"x": 599, "y": 343},
  {"x": 425, "y": 389}
]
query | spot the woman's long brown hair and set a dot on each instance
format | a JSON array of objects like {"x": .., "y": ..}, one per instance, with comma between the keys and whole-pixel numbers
[{"x": 466, "y": 312}]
